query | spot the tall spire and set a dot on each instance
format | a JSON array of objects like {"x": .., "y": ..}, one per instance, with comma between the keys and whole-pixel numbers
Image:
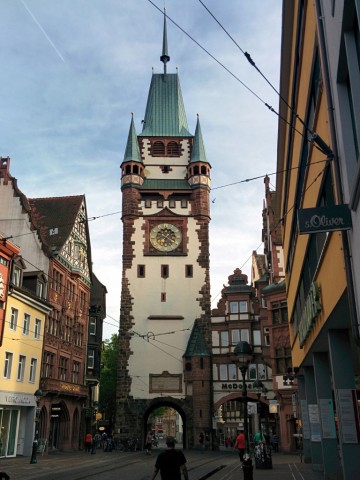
[{"x": 165, "y": 57}]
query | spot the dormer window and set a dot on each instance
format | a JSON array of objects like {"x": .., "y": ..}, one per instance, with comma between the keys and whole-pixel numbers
[{"x": 16, "y": 277}]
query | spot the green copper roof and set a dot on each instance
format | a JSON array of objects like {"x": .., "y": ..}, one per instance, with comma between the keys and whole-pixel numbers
[
  {"x": 132, "y": 151},
  {"x": 198, "y": 151},
  {"x": 196, "y": 344},
  {"x": 164, "y": 184},
  {"x": 165, "y": 113},
  {"x": 274, "y": 287}
]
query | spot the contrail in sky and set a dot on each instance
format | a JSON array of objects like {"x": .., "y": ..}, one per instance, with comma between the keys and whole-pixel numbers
[{"x": 43, "y": 31}]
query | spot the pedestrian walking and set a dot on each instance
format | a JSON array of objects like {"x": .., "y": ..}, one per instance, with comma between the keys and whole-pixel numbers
[
  {"x": 202, "y": 442},
  {"x": 240, "y": 445},
  {"x": 262, "y": 452},
  {"x": 88, "y": 442},
  {"x": 171, "y": 463},
  {"x": 148, "y": 442}
]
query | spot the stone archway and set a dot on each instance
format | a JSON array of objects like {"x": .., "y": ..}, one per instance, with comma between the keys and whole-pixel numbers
[{"x": 178, "y": 405}]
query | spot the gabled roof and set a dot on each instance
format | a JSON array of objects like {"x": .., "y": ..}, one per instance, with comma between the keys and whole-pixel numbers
[
  {"x": 196, "y": 345},
  {"x": 165, "y": 113},
  {"x": 132, "y": 152},
  {"x": 55, "y": 212},
  {"x": 198, "y": 151}
]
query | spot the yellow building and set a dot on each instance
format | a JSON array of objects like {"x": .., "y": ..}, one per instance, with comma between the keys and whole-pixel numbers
[
  {"x": 315, "y": 248},
  {"x": 20, "y": 363}
]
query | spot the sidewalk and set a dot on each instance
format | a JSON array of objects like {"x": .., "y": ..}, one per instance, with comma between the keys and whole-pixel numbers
[{"x": 285, "y": 467}]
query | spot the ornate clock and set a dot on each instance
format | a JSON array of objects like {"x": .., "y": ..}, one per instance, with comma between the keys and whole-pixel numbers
[{"x": 165, "y": 237}]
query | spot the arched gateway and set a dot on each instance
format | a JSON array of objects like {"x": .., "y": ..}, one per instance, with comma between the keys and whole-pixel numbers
[{"x": 165, "y": 318}]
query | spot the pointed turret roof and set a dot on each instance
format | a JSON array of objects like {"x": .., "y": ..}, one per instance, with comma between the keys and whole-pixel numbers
[
  {"x": 198, "y": 151},
  {"x": 196, "y": 344},
  {"x": 132, "y": 152},
  {"x": 165, "y": 113}
]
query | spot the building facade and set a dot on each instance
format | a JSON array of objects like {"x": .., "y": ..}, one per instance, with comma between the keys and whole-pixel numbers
[
  {"x": 20, "y": 360},
  {"x": 268, "y": 277},
  {"x": 236, "y": 319},
  {"x": 318, "y": 272},
  {"x": 56, "y": 265},
  {"x": 165, "y": 184}
]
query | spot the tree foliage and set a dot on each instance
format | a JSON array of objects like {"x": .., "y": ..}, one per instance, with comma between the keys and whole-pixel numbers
[{"x": 109, "y": 359}]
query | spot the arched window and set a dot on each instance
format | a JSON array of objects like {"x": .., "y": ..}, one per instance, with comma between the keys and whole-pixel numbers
[
  {"x": 136, "y": 169},
  {"x": 173, "y": 149},
  {"x": 196, "y": 170},
  {"x": 158, "y": 148},
  {"x": 203, "y": 170},
  {"x": 128, "y": 169}
]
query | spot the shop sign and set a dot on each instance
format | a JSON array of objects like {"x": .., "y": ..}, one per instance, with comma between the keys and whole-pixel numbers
[
  {"x": 324, "y": 219},
  {"x": 231, "y": 386},
  {"x": 55, "y": 411},
  {"x": 14, "y": 399},
  {"x": 312, "y": 308}
]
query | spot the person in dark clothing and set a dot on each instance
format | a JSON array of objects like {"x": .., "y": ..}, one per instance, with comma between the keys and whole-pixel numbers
[{"x": 171, "y": 463}]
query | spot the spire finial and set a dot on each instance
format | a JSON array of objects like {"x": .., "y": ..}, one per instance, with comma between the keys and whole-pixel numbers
[{"x": 165, "y": 57}]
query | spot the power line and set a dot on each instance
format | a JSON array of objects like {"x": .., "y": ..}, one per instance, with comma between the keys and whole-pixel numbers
[{"x": 314, "y": 137}]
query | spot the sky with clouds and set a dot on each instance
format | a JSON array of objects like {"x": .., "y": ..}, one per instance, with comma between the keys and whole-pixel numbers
[{"x": 74, "y": 70}]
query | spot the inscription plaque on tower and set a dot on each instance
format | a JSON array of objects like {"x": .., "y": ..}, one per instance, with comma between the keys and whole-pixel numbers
[{"x": 165, "y": 382}]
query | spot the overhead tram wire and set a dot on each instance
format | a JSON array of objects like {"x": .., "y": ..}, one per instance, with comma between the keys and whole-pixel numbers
[
  {"x": 314, "y": 137},
  {"x": 284, "y": 216},
  {"x": 325, "y": 148}
]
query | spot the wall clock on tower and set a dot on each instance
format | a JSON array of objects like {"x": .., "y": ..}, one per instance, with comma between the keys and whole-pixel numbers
[{"x": 165, "y": 237}]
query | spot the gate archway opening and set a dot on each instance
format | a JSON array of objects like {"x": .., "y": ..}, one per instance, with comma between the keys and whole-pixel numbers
[
  {"x": 230, "y": 417},
  {"x": 166, "y": 417}
]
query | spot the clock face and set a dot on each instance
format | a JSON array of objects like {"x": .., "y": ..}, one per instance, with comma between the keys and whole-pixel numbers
[{"x": 165, "y": 237}]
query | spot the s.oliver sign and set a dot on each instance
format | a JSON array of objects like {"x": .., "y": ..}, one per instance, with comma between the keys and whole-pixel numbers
[{"x": 324, "y": 219}]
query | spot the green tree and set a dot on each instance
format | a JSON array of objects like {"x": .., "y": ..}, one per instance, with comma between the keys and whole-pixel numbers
[{"x": 109, "y": 359}]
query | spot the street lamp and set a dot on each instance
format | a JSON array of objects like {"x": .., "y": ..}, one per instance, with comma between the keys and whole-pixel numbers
[
  {"x": 242, "y": 357},
  {"x": 258, "y": 387},
  {"x": 38, "y": 394}
]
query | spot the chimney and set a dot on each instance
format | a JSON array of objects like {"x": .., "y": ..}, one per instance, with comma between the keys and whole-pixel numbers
[{"x": 5, "y": 169}]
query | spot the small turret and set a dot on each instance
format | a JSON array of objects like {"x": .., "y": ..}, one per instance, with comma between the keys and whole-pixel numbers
[{"x": 132, "y": 167}]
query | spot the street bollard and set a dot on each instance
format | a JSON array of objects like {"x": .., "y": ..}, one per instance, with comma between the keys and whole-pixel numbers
[{"x": 247, "y": 468}]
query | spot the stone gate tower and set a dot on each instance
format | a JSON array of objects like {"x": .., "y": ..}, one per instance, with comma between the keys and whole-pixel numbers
[{"x": 165, "y": 339}]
